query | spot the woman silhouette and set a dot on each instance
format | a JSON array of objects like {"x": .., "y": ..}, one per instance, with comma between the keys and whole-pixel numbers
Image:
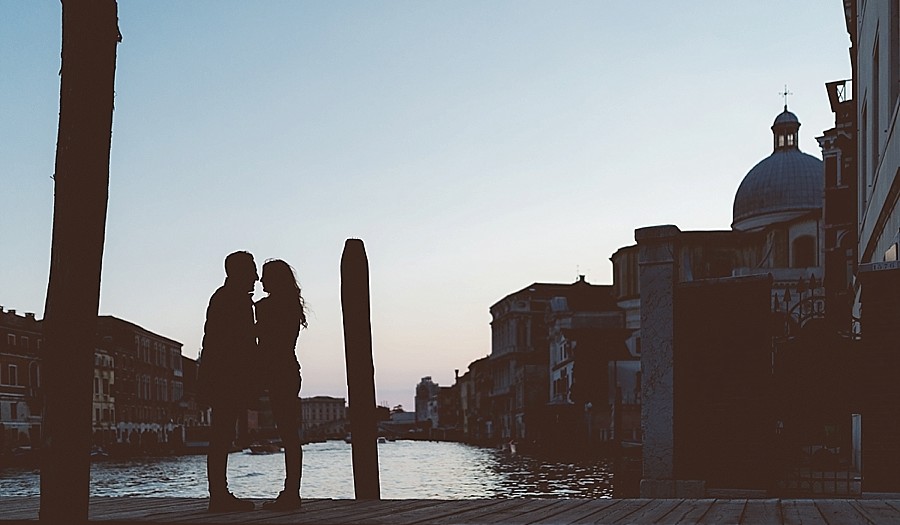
[{"x": 279, "y": 319}]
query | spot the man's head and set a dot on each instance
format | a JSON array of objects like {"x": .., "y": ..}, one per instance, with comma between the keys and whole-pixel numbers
[{"x": 240, "y": 268}]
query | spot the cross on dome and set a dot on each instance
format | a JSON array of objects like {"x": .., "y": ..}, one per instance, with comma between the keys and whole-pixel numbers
[{"x": 785, "y": 94}]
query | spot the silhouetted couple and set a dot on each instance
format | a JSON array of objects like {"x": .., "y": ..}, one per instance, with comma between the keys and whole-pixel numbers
[{"x": 240, "y": 358}]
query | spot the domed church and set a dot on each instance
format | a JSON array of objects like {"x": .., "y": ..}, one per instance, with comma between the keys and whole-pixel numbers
[{"x": 783, "y": 195}]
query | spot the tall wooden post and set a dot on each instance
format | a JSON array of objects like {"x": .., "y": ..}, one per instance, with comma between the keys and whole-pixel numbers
[
  {"x": 360, "y": 369},
  {"x": 89, "y": 37}
]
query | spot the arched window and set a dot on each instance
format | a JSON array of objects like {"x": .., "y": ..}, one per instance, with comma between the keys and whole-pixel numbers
[{"x": 803, "y": 252}]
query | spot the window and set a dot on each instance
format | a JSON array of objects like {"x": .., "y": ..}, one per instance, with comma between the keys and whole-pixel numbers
[
  {"x": 11, "y": 339},
  {"x": 13, "y": 411},
  {"x": 894, "y": 66},
  {"x": 865, "y": 177},
  {"x": 875, "y": 142},
  {"x": 34, "y": 374},
  {"x": 176, "y": 359},
  {"x": 13, "y": 373},
  {"x": 803, "y": 252},
  {"x": 177, "y": 390},
  {"x": 23, "y": 342}
]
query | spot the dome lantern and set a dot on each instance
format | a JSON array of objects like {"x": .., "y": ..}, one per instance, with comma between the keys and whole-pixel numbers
[{"x": 785, "y": 131}]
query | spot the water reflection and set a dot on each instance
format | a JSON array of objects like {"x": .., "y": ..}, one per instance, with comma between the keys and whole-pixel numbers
[{"x": 409, "y": 469}]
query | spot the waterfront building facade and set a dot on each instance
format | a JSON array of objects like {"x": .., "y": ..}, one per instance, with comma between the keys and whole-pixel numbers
[
  {"x": 20, "y": 380},
  {"x": 839, "y": 151},
  {"x": 323, "y": 417},
  {"x": 103, "y": 413},
  {"x": 474, "y": 401},
  {"x": 874, "y": 30},
  {"x": 427, "y": 403},
  {"x": 875, "y": 36},
  {"x": 593, "y": 376},
  {"x": 149, "y": 383},
  {"x": 520, "y": 358}
]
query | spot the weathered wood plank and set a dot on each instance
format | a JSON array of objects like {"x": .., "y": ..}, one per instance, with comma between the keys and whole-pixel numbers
[
  {"x": 657, "y": 511},
  {"x": 689, "y": 511},
  {"x": 434, "y": 510},
  {"x": 724, "y": 511},
  {"x": 367, "y": 511},
  {"x": 521, "y": 514},
  {"x": 486, "y": 514},
  {"x": 800, "y": 512},
  {"x": 575, "y": 513},
  {"x": 877, "y": 511},
  {"x": 393, "y": 512},
  {"x": 200, "y": 515},
  {"x": 626, "y": 507},
  {"x": 19, "y": 507},
  {"x": 374, "y": 511},
  {"x": 107, "y": 504},
  {"x": 143, "y": 508},
  {"x": 551, "y": 514},
  {"x": 762, "y": 511},
  {"x": 840, "y": 512}
]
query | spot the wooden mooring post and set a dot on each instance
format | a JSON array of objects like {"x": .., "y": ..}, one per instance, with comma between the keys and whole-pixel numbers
[
  {"x": 360, "y": 368},
  {"x": 90, "y": 35}
]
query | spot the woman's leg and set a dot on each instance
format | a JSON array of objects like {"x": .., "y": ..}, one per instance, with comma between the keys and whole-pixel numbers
[
  {"x": 287, "y": 420},
  {"x": 286, "y": 410}
]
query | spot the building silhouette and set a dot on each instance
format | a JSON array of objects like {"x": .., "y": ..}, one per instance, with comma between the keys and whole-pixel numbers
[{"x": 20, "y": 379}]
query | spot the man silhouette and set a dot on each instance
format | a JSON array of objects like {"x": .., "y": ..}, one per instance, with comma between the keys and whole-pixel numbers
[{"x": 229, "y": 347}]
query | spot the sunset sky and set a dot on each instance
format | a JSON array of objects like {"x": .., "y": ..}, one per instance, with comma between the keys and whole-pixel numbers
[{"x": 475, "y": 147}]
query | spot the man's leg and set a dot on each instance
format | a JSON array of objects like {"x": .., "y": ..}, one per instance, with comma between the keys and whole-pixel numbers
[{"x": 221, "y": 436}]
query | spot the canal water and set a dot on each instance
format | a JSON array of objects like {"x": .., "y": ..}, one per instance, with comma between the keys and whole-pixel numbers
[{"x": 408, "y": 470}]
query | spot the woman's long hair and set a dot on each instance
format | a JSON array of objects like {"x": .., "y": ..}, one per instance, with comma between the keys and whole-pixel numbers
[{"x": 282, "y": 281}]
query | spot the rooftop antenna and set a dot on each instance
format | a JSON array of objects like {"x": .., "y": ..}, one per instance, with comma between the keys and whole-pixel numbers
[{"x": 785, "y": 94}]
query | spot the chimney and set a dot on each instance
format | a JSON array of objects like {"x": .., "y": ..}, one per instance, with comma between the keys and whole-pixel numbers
[
  {"x": 581, "y": 278},
  {"x": 29, "y": 315},
  {"x": 11, "y": 311}
]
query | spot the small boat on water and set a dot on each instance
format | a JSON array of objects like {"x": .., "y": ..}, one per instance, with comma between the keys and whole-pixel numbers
[
  {"x": 349, "y": 439},
  {"x": 267, "y": 447}
]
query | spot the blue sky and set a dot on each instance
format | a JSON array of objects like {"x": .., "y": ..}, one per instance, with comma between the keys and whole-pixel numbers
[{"x": 476, "y": 147}]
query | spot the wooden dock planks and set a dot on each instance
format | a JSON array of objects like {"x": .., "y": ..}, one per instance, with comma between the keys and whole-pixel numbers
[{"x": 522, "y": 511}]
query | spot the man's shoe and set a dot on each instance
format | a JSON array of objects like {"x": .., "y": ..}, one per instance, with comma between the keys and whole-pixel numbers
[
  {"x": 284, "y": 501},
  {"x": 229, "y": 503}
]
